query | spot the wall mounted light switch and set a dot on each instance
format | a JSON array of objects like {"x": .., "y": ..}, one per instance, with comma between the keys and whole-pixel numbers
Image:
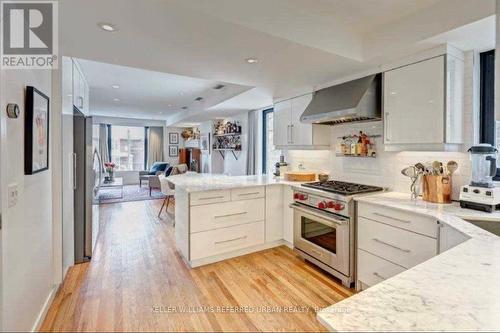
[{"x": 13, "y": 194}]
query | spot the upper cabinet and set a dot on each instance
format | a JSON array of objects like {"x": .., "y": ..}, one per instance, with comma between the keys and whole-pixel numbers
[
  {"x": 80, "y": 90},
  {"x": 290, "y": 133},
  {"x": 423, "y": 105}
]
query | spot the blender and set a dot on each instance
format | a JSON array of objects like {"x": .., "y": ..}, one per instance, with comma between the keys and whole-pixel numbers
[{"x": 481, "y": 193}]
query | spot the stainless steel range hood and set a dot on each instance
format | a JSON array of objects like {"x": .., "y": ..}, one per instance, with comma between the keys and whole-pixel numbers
[{"x": 352, "y": 101}]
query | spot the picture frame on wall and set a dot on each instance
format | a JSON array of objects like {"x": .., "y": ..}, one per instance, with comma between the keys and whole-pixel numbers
[
  {"x": 205, "y": 143},
  {"x": 173, "y": 138},
  {"x": 173, "y": 151},
  {"x": 36, "y": 131}
]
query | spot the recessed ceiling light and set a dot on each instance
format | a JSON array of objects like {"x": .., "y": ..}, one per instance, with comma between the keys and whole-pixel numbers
[
  {"x": 115, "y": 86},
  {"x": 116, "y": 99},
  {"x": 107, "y": 27},
  {"x": 170, "y": 105},
  {"x": 252, "y": 60}
]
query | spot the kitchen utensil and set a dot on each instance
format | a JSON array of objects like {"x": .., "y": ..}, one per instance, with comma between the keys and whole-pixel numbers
[
  {"x": 410, "y": 171},
  {"x": 413, "y": 173},
  {"x": 451, "y": 167},
  {"x": 436, "y": 165},
  {"x": 420, "y": 167}
]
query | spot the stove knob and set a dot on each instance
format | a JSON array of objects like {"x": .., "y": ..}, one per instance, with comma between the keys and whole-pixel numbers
[
  {"x": 322, "y": 205},
  {"x": 339, "y": 206},
  {"x": 296, "y": 196},
  {"x": 302, "y": 197},
  {"x": 330, "y": 204}
]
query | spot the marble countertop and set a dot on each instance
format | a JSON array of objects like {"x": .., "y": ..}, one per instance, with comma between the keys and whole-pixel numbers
[
  {"x": 456, "y": 290},
  {"x": 197, "y": 182}
]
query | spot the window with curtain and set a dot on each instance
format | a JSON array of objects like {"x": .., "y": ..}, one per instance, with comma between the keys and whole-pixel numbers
[
  {"x": 270, "y": 155},
  {"x": 128, "y": 148},
  {"x": 489, "y": 125}
]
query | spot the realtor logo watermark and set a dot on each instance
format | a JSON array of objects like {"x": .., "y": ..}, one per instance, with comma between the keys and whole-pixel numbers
[{"x": 29, "y": 34}]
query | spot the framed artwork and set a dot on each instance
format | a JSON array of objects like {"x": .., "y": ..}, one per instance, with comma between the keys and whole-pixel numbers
[
  {"x": 173, "y": 138},
  {"x": 205, "y": 143},
  {"x": 36, "y": 132},
  {"x": 173, "y": 151}
]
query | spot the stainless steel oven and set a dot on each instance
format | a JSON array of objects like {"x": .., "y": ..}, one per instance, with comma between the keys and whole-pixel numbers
[{"x": 323, "y": 237}]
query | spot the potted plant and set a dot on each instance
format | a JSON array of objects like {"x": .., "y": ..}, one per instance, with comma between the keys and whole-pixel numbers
[{"x": 110, "y": 169}]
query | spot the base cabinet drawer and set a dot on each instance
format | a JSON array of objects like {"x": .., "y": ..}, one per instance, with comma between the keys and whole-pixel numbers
[
  {"x": 226, "y": 214},
  {"x": 246, "y": 193},
  {"x": 372, "y": 269},
  {"x": 209, "y": 197},
  {"x": 413, "y": 222},
  {"x": 214, "y": 242},
  {"x": 399, "y": 246}
]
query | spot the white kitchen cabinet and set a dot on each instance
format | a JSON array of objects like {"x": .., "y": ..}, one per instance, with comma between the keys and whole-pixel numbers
[
  {"x": 449, "y": 237},
  {"x": 274, "y": 213},
  {"x": 282, "y": 119},
  {"x": 288, "y": 214},
  {"x": 390, "y": 241},
  {"x": 290, "y": 133},
  {"x": 80, "y": 90},
  {"x": 373, "y": 269},
  {"x": 423, "y": 105}
]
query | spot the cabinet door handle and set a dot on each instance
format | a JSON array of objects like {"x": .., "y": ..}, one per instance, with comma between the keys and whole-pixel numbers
[
  {"x": 386, "y": 121},
  {"x": 391, "y": 245},
  {"x": 229, "y": 215},
  {"x": 80, "y": 98},
  {"x": 317, "y": 252},
  {"x": 287, "y": 133},
  {"x": 250, "y": 193},
  {"x": 210, "y": 198},
  {"x": 392, "y": 218},
  {"x": 230, "y": 240},
  {"x": 291, "y": 133},
  {"x": 379, "y": 276},
  {"x": 74, "y": 171}
]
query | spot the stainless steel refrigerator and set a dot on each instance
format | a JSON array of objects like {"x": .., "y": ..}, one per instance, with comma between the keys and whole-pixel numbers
[{"x": 86, "y": 180}]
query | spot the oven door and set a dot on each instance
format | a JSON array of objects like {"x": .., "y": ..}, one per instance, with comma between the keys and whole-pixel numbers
[{"x": 323, "y": 236}]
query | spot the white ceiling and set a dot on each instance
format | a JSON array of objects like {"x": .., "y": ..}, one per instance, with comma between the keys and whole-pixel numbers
[
  {"x": 300, "y": 44},
  {"x": 147, "y": 94}
]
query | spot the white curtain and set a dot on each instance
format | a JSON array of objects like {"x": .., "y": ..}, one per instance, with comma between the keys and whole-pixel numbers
[
  {"x": 252, "y": 142},
  {"x": 103, "y": 144},
  {"x": 155, "y": 145}
]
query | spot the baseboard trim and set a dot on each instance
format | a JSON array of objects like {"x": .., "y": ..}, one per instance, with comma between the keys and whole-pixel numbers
[
  {"x": 48, "y": 302},
  {"x": 238, "y": 253}
]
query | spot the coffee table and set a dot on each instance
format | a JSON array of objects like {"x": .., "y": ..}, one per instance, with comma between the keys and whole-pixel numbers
[{"x": 117, "y": 182}]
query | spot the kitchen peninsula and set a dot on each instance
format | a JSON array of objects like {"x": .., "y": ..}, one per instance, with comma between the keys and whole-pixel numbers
[
  {"x": 454, "y": 290},
  {"x": 219, "y": 217}
]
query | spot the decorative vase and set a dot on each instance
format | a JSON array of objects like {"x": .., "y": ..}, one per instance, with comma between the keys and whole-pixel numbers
[{"x": 111, "y": 176}]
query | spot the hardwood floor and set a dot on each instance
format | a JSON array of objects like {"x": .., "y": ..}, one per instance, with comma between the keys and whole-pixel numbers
[{"x": 137, "y": 281}]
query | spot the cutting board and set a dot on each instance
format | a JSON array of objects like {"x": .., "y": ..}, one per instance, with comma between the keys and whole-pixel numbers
[{"x": 300, "y": 176}]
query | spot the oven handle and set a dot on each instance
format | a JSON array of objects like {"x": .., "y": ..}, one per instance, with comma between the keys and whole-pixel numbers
[{"x": 327, "y": 216}]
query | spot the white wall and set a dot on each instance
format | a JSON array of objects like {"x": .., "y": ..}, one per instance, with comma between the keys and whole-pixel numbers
[
  {"x": 213, "y": 162},
  {"x": 166, "y": 144},
  {"x": 385, "y": 170},
  {"x": 233, "y": 166},
  {"x": 27, "y": 235}
]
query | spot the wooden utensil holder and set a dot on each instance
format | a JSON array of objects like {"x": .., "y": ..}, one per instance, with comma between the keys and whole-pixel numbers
[{"x": 437, "y": 189}]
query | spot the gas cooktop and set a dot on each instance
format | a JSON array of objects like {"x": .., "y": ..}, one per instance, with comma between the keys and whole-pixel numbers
[{"x": 343, "y": 187}]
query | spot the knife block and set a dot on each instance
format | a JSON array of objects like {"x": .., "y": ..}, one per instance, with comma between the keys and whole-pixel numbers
[{"x": 437, "y": 189}]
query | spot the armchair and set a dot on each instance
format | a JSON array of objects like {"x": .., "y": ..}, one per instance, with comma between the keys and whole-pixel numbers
[{"x": 152, "y": 174}]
